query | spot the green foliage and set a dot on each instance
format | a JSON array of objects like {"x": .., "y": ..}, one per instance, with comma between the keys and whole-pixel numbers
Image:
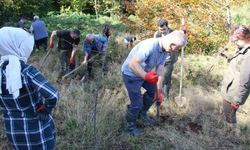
[
  {"x": 14, "y": 9},
  {"x": 109, "y": 7},
  {"x": 241, "y": 16},
  {"x": 5, "y": 10},
  {"x": 103, "y": 7}
]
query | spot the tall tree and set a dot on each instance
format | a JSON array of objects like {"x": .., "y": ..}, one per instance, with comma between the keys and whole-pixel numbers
[{"x": 207, "y": 20}]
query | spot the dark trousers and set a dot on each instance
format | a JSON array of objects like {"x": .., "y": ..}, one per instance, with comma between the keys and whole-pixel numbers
[
  {"x": 133, "y": 86},
  {"x": 168, "y": 76},
  {"x": 100, "y": 59},
  {"x": 42, "y": 42},
  {"x": 230, "y": 114},
  {"x": 169, "y": 67},
  {"x": 64, "y": 56}
]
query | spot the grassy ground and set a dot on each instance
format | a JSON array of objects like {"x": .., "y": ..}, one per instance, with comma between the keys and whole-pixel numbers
[{"x": 196, "y": 124}]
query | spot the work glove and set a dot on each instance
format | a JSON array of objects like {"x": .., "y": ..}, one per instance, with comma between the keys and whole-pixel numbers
[
  {"x": 151, "y": 77},
  {"x": 71, "y": 60},
  {"x": 51, "y": 45},
  {"x": 159, "y": 96},
  {"x": 42, "y": 112},
  {"x": 234, "y": 106}
]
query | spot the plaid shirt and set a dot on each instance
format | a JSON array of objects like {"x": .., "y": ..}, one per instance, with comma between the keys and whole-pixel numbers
[{"x": 23, "y": 128}]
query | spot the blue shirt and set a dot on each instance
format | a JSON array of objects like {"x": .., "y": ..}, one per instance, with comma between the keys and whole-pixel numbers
[
  {"x": 99, "y": 44},
  {"x": 104, "y": 40},
  {"x": 39, "y": 29},
  {"x": 150, "y": 53}
]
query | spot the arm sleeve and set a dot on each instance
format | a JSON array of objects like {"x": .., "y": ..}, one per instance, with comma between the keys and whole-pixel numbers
[
  {"x": 44, "y": 88},
  {"x": 86, "y": 47},
  {"x": 244, "y": 88}
]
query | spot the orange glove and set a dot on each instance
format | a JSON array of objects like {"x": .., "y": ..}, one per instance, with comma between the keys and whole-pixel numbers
[
  {"x": 71, "y": 60},
  {"x": 234, "y": 106},
  {"x": 159, "y": 96},
  {"x": 51, "y": 45},
  {"x": 151, "y": 77}
]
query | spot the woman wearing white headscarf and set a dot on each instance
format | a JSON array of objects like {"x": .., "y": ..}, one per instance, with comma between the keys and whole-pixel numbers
[{"x": 26, "y": 97}]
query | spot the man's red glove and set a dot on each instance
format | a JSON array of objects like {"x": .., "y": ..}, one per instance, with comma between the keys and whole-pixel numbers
[
  {"x": 159, "y": 96},
  {"x": 51, "y": 45},
  {"x": 234, "y": 106},
  {"x": 71, "y": 60},
  {"x": 151, "y": 77}
]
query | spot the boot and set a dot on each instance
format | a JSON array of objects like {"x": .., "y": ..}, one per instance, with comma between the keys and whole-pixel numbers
[
  {"x": 147, "y": 102},
  {"x": 131, "y": 124},
  {"x": 234, "y": 129},
  {"x": 146, "y": 119}
]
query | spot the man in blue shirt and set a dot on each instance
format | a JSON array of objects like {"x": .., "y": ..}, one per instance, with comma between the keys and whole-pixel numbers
[
  {"x": 137, "y": 72},
  {"x": 96, "y": 45},
  {"x": 40, "y": 32}
]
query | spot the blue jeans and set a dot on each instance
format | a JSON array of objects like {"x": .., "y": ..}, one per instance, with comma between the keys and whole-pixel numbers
[{"x": 133, "y": 86}]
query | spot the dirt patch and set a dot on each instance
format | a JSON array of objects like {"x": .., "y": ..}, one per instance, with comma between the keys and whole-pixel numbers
[{"x": 182, "y": 125}]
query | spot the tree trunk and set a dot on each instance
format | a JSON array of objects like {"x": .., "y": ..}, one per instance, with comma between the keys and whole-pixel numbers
[{"x": 96, "y": 9}]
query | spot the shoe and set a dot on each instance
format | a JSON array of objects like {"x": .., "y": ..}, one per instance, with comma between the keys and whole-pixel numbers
[
  {"x": 147, "y": 120},
  {"x": 133, "y": 130},
  {"x": 131, "y": 124}
]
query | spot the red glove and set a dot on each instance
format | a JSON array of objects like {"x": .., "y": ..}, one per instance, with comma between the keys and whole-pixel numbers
[
  {"x": 151, "y": 77},
  {"x": 40, "y": 108},
  {"x": 234, "y": 106},
  {"x": 71, "y": 60},
  {"x": 159, "y": 96},
  {"x": 51, "y": 45}
]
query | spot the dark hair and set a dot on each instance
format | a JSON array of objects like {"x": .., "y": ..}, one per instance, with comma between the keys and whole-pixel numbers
[
  {"x": 77, "y": 32},
  {"x": 241, "y": 32},
  {"x": 105, "y": 30},
  {"x": 162, "y": 22}
]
